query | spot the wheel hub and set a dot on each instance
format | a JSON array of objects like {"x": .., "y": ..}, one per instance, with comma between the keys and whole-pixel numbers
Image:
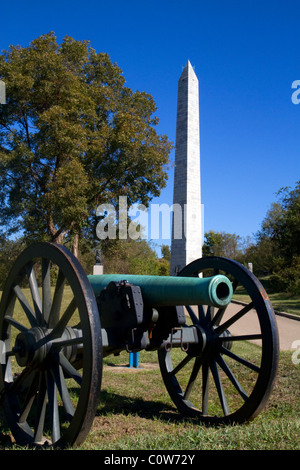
[
  {"x": 208, "y": 342},
  {"x": 197, "y": 349},
  {"x": 228, "y": 343},
  {"x": 31, "y": 348}
]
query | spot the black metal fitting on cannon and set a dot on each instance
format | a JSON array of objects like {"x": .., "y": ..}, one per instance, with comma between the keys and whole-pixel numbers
[
  {"x": 121, "y": 305},
  {"x": 169, "y": 343},
  {"x": 137, "y": 340}
]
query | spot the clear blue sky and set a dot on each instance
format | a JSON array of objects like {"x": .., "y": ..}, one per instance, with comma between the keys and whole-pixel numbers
[{"x": 246, "y": 55}]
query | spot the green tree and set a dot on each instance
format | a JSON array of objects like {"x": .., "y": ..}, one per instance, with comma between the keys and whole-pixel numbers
[
  {"x": 282, "y": 223},
  {"x": 166, "y": 253},
  {"x": 221, "y": 244},
  {"x": 9, "y": 250},
  {"x": 260, "y": 254},
  {"x": 281, "y": 233},
  {"x": 72, "y": 136},
  {"x": 129, "y": 257}
]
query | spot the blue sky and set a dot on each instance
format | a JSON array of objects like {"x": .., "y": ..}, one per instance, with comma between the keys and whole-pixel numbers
[{"x": 246, "y": 54}]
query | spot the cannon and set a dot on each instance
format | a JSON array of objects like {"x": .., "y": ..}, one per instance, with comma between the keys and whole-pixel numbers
[{"x": 218, "y": 359}]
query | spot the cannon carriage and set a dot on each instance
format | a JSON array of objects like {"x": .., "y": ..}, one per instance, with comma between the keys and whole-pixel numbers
[{"x": 52, "y": 350}]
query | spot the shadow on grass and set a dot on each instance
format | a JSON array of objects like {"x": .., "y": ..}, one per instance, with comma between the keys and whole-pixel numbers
[
  {"x": 112, "y": 403},
  {"x": 6, "y": 441}
]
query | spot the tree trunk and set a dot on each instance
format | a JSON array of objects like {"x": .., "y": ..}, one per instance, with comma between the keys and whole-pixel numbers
[
  {"x": 57, "y": 235},
  {"x": 76, "y": 245}
]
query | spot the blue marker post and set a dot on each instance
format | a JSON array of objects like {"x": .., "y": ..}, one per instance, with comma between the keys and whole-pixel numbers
[{"x": 134, "y": 360}]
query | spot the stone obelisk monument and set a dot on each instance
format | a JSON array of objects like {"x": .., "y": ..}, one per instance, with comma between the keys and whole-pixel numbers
[{"x": 186, "y": 244}]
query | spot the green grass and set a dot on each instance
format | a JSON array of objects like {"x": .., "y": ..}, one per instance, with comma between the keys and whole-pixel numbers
[
  {"x": 281, "y": 301},
  {"x": 136, "y": 413}
]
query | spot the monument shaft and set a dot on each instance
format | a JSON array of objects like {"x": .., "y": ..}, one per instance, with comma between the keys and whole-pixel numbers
[{"x": 186, "y": 243}]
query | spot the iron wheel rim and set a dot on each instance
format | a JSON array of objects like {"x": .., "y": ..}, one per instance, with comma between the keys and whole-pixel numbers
[
  {"x": 38, "y": 395},
  {"x": 253, "y": 401}
]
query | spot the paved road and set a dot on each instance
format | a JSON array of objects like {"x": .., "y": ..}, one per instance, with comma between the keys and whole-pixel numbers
[
  {"x": 288, "y": 328},
  {"x": 289, "y": 333}
]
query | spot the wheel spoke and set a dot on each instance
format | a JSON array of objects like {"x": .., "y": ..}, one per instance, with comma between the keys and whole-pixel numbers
[
  {"x": 46, "y": 289},
  {"x": 57, "y": 374},
  {"x": 63, "y": 321},
  {"x": 25, "y": 305},
  {"x": 15, "y": 386},
  {"x": 205, "y": 387},
  {"x": 13, "y": 322},
  {"x": 59, "y": 343},
  {"x": 41, "y": 409},
  {"x": 218, "y": 317},
  {"x": 192, "y": 315},
  {"x": 219, "y": 386},
  {"x": 201, "y": 314},
  {"x": 29, "y": 399},
  {"x": 57, "y": 300},
  {"x": 210, "y": 313},
  {"x": 193, "y": 378},
  {"x": 8, "y": 374},
  {"x": 231, "y": 377},
  {"x": 181, "y": 365},
  {"x": 220, "y": 329},
  {"x": 69, "y": 369},
  {"x": 241, "y": 337},
  {"x": 239, "y": 359},
  {"x": 53, "y": 407},
  {"x": 34, "y": 290}
]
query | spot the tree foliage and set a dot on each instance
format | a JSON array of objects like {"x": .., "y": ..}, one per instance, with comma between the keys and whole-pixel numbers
[
  {"x": 130, "y": 257},
  {"x": 166, "y": 253},
  {"x": 221, "y": 244},
  {"x": 72, "y": 136},
  {"x": 280, "y": 232},
  {"x": 282, "y": 223},
  {"x": 9, "y": 250}
]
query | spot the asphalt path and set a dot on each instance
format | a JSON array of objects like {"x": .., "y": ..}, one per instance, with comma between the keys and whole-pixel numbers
[{"x": 289, "y": 332}]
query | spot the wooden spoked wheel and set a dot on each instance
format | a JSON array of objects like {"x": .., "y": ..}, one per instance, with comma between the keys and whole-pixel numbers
[
  {"x": 229, "y": 375},
  {"x": 51, "y": 343}
]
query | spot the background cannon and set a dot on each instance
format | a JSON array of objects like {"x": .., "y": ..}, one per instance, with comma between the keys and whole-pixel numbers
[{"x": 56, "y": 325}]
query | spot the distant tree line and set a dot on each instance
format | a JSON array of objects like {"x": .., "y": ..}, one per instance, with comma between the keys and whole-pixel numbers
[{"x": 118, "y": 256}]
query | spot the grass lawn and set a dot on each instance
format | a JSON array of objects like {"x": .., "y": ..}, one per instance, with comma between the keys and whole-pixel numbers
[
  {"x": 136, "y": 413},
  {"x": 281, "y": 301}
]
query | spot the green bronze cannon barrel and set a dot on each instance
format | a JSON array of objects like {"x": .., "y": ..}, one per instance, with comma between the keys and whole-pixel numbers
[{"x": 160, "y": 291}]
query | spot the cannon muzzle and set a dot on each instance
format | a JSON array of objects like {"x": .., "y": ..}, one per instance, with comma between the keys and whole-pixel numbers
[{"x": 163, "y": 291}]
